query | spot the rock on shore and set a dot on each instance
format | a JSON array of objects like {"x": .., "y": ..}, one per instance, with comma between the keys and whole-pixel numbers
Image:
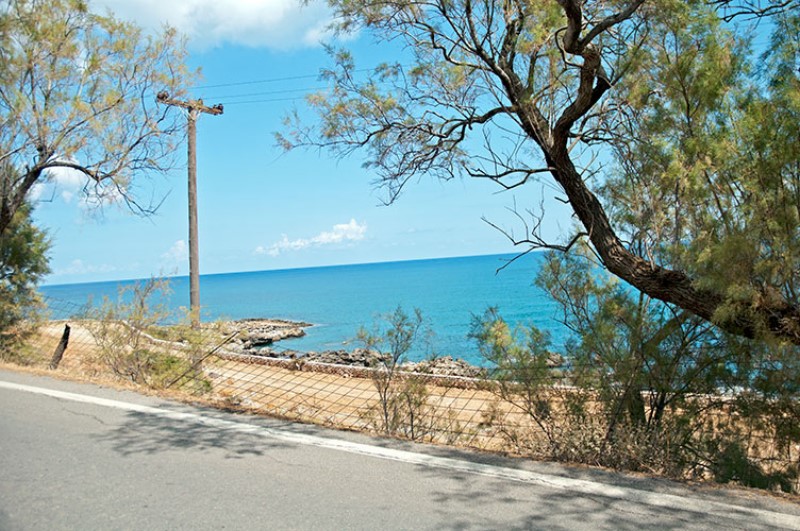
[
  {"x": 257, "y": 333},
  {"x": 445, "y": 366},
  {"x": 359, "y": 357},
  {"x": 257, "y": 336}
]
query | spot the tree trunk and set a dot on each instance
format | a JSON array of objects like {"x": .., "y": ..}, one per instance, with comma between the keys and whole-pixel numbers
[{"x": 671, "y": 286}]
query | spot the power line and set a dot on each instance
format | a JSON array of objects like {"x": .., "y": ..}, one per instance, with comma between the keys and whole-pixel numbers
[
  {"x": 272, "y": 80},
  {"x": 226, "y": 98},
  {"x": 296, "y": 98},
  {"x": 258, "y": 81},
  {"x": 263, "y": 93}
]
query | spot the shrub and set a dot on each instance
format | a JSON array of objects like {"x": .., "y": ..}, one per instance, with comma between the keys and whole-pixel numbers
[
  {"x": 648, "y": 386},
  {"x": 23, "y": 263},
  {"x": 124, "y": 332},
  {"x": 403, "y": 406}
]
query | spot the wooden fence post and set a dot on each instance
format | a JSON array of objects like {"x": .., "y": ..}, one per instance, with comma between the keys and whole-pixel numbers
[{"x": 62, "y": 346}]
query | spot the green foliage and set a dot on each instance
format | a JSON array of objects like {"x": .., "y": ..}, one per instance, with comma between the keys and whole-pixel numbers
[
  {"x": 624, "y": 343},
  {"x": 710, "y": 186},
  {"x": 127, "y": 346},
  {"x": 23, "y": 263},
  {"x": 75, "y": 96},
  {"x": 650, "y": 387},
  {"x": 403, "y": 406},
  {"x": 669, "y": 132},
  {"x": 524, "y": 376},
  {"x": 521, "y": 361},
  {"x": 395, "y": 337}
]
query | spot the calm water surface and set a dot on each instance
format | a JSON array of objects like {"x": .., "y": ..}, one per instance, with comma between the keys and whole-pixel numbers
[{"x": 341, "y": 299}]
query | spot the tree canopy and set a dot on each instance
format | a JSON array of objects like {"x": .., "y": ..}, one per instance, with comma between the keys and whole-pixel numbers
[
  {"x": 23, "y": 263},
  {"x": 671, "y": 133},
  {"x": 77, "y": 93}
]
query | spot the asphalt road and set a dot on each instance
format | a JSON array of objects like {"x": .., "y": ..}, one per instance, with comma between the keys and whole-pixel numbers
[{"x": 77, "y": 456}]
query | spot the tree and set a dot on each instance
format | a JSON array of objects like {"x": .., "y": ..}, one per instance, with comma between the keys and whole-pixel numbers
[
  {"x": 400, "y": 400},
  {"x": 614, "y": 101},
  {"x": 78, "y": 93},
  {"x": 23, "y": 262},
  {"x": 628, "y": 346},
  {"x": 649, "y": 386}
]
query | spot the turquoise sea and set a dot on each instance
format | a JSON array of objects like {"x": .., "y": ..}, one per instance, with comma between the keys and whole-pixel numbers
[{"x": 339, "y": 300}]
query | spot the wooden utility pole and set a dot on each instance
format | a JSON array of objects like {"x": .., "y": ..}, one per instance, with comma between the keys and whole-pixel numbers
[{"x": 194, "y": 108}]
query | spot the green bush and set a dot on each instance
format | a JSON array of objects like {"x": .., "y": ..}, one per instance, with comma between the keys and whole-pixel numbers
[
  {"x": 403, "y": 407},
  {"x": 648, "y": 387},
  {"x": 135, "y": 344},
  {"x": 23, "y": 263}
]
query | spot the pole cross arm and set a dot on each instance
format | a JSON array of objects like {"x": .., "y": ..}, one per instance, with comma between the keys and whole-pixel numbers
[{"x": 192, "y": 105}]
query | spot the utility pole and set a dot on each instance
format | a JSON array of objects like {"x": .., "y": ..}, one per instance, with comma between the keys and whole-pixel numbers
[{"x": 194, "y": 108}]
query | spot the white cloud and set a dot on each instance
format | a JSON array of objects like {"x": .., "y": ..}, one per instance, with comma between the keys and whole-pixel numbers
[
  {"x": 37, "y": 191},
  {"x": 67, "y": 178},
  {"x": 79, "y": 267},
  {"x": 61, "y": 182},
  {"x": 178, "y": 254},
  {"x": 278, "y": 24},
  {"x": 64, "y": 182},
  {"x": 343, "y": 233},
  {"x": 68, "y": 183}
]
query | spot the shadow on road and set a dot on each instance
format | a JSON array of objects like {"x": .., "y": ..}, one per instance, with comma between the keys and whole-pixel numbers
[
  {"x": 144, "y": 433},
  {"x": 459, "y": 500},
  {"x": 560, "y": 508}
]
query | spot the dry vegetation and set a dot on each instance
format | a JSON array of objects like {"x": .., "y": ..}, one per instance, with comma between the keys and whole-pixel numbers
[{"x": 481, "y": 414}]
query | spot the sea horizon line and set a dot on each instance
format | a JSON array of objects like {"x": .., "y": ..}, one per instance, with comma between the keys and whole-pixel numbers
[{"x": 286, "y": 269}]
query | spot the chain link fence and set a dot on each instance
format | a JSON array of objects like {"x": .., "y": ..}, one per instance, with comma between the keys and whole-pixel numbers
[{"x": 708, "y": 436}]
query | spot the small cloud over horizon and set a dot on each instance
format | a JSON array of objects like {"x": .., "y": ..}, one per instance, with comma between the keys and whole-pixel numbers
[
  {"x": 79, "y": 267},
  {"x": 343, "y": 233},
  {"x": 177, "y": 255}
]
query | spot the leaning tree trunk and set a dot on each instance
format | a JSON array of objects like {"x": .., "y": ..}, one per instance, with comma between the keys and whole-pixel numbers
[
  {"x": 672, "y": 286},
  {"x": 749, "y": 319}
]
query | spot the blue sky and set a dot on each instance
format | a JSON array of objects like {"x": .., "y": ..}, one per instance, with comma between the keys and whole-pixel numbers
[{"x": 261, "y": 208}]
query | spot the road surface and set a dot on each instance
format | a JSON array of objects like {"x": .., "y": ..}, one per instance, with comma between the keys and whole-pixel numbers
[{"x": 77, "y": 456}]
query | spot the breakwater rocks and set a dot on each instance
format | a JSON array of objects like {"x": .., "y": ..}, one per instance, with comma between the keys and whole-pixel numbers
[
  {"x": 359, "y": 357},
  {"x": 365, "y": 358},
  {"x": 254, "y": 334},
  {"x": 256, "y": 337},
  {"x": 445, "y": 366}
]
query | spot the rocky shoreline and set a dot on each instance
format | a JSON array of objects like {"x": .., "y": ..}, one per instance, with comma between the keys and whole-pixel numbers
[
  {"x": 252, "y": 335},
  {"x": 256, "y": 337}
]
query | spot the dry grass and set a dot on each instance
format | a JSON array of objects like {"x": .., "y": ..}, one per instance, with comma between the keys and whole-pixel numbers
[
  {"x": 452, "y": 411},
  {"x": 458, "y": 413},
  {"x": 456, "y": 410}
]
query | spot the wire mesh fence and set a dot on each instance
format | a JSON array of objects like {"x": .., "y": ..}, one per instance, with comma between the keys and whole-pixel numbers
[{"x": 702, "y": 436}]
